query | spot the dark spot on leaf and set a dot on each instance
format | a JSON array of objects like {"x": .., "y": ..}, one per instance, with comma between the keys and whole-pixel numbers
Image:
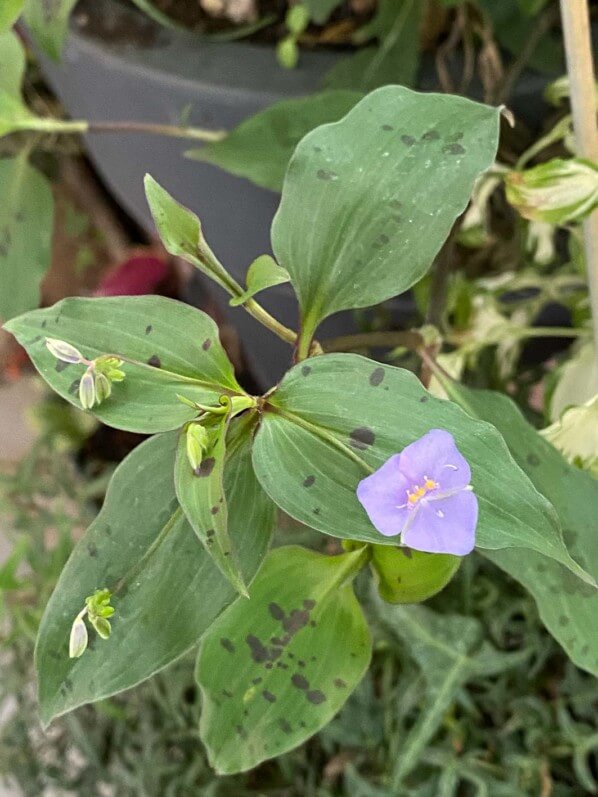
[
  {"x": 316, "y": 697},
  {"x": 205, "y": 468},
  {"x": 299, "y": 681},
  {"x": 431, "y": 135},
  {"x": 307, "y": 482},
  {"x": 68, "y": 684},
  {"x": 570, "y": 537},
  {"x": 206, "y": 344},
  {"x": 409, "y": 141},
  {"x": 44, "y": 324},
  {"x": 74, "y": 387},
  {"x": 313, "y": 625},
  {"x": 60, "y": 366},
  {"x": 241, "y": 731},
  {"x": 326, "y": 174},
  {"x": 317, "y": 510},
  {"x": 92, "y": 549},
  {"x": 453, "y": 149},
  {"x": 339, "y": 683},
  {"x": 406, "y": 551},
  {"x": 256, "y": 681},
  {"x": 282, "y": 666},
  {"x": 291, "y": 655},
  {"x": 276, "y": 611},
  {"x": 306, "y": 370},
  {"x": 228, "y": 645},
  {"x": 269, "y": 696},
  {"x": 423, "y": 399},
  {"x": 309, "y": 604},
  {"x": 362, "y": 438},
  {"x": 317, "y": 149},
  {"x": 533, "y": 459},
  {"x": 563, "y": 621},
  {"x": 285, "y": 726},
  {"x": 214, "y": 510},
  {"x": 377, "y": 377},
  {"x": 396, "y": 204},
  {"x": 456, "y": 136},
  {"x": 148, "y": 329},
  {"x": 301, "y": 663},
  {"x": 269, "y": 665},
  {"x": 381, "y": 241},
  {"x": 259, "y": 653},
  {"x": 226, "y": 693},
  {"x": 387, "y": 127},
  {"x": 302, "y": 724},
  {"x": 541, "y": 568},
  {"x": 295, "y": 621},
  {"x": 154, "y": 361}
]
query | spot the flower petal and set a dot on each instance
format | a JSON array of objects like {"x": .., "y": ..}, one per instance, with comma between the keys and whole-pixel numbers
[
  {"x": 446, "y": 525},
  {"x": 381, "y": 495},
  {"x": 436, "y": 456}
]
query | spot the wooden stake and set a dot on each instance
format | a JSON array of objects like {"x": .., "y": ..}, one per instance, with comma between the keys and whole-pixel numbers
[{"x": 578, "y": 47}]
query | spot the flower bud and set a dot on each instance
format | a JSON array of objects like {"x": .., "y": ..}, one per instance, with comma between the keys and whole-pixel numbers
[
  {"x": 557, "y": 192},
  {"x": 197, "y": 440},
  {"x": 63, "y": 351},
  {"x": 78, "y": 638},
  {"x": 103, "y": 387},
  {"x": 87, "y": 390}
]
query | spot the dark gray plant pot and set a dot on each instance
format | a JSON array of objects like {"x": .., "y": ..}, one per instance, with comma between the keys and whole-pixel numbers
[{"x": 153, "y": 76}]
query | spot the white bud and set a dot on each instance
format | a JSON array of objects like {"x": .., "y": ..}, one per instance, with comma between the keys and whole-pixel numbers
[
  {"x": 63, "y": 351},
  {"x": 87, "y": 390},
  {"x": 103, "y": 387},
  {"x": 78, "y": 639}
]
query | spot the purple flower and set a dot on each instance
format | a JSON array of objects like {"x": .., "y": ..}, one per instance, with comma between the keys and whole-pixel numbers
[{"x": 424, "y": 495}]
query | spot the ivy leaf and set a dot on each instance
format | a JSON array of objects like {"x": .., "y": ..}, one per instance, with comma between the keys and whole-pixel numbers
[
  {"x": 450, "y": 651},
  {"x": 337, "y": 416},
  {"x": 568, "y": 607},
  {"x": 395, "y": 59},
  {"x": 12, "y": 66},
  {"x": 26, "y": 221},
  {"x": 48, "y": 22},
  {"x": 168, "y": 349},
  {"x": 166, "y": 589},
  {"x": 263, "y": 273},
  {"x": 260, "y": 148},
  {"x": 10, "y": 11},
  {"x": 200, "y": 492},
  {"x": 415, "y": 157},
  {"x": 275, "y": 669}
]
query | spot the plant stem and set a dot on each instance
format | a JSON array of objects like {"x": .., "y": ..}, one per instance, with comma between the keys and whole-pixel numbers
[
  {"x": 578, "y": 47},
  {"x": 174, "y": 131}
]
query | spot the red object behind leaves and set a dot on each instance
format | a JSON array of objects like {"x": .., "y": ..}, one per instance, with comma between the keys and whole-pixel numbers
[{"x": 140, "y": 274}]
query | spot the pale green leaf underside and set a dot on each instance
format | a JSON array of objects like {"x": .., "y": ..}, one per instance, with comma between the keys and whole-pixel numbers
[
  {"x": 175, "y": 349},
  {"x": 373, "y": 411},
  {"x": 568, "y": 607},
  {"x": 167, "y": 590},
  {"x": 368, "y": 202},
  {"x": 260, "y": 147},
  {"x": 276, "y": 668},
  {"x": 26, "y": 221}
]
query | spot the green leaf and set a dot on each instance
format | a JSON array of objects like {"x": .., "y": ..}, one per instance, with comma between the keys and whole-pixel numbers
[
  {"x": 568, "y": 608},
  {"x": 450, "y": 651},
  {"x": 320, "y": 10},
  {"x": 336, "y": 417},
  {"x": 275, "y": 669},
  {"x": 168, "y": 349},
  {"x": 263, "y": 273},
  {"x": 26, "y": 221},
  {"x": 407, "y": 576},
  {"x": 260, "y": 148},
  {"x": 200, "y": 492},
  {"x": 12, "y": 66},
  {"x": 395, "y": 59},
  {"x": 10, "y": 11},
  {"x": 181, "y": 234},
  {"x": 368, "y": 201},
  {"x": 166, "y": 589},
  {"x": 48, "y": 22}
]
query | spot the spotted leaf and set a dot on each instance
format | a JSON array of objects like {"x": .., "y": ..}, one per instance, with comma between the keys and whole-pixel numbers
[
  {"x": 336, "y": 418},
  {"x": 276, "y": 668},
  {"x": 385, "y": 185},
  {"x": 168, "y": 349},
  {"x": 166, "y": 590}
]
